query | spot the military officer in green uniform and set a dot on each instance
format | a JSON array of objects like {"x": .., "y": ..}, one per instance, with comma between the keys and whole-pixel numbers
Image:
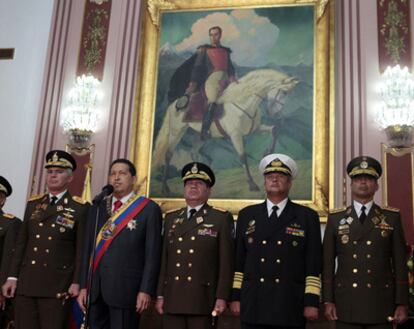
[
  {"x": 44, "y": 271},
  {"x": 278, "y": 255},
  {"x": 9, "y": 227},
  {"x": 197, "y": 258},
  {"x": 369, "y": 288}
]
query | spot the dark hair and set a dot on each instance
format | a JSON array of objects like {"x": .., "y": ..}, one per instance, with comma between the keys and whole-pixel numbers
[
  {"x": 215, "y": 28},
  {"x": 130, "y": 165}
]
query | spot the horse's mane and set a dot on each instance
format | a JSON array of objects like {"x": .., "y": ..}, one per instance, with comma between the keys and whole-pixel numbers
[{"x": 254, "y": 82}]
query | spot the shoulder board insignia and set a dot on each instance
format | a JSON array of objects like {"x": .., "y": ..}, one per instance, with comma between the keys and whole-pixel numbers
[
  {"x": 220, "y": 209},
  {"x": 173, "y": 210},
  {"x": 334, "y": 211},
  {"x": 10, "y": 216},
  {"x": 79, "y": 200},
  {"x": 391, "y": 209},
  {"x": 35, "y": 197}
]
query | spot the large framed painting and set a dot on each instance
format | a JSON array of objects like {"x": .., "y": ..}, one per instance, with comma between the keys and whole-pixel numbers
[{"x": 227, "y": 82}]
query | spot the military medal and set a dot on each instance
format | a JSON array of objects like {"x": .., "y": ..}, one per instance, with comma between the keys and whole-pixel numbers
[
  {"x": 349, "y": 220},
  {"x": 62, "y": 229},
  {"x": 59, "y": 208},
  {"x": 132, "y": 225},
  {"x": 345, "y": 239},
  {"x": 384, "y": 234},
  {"x": 342, "y": 221},
  {"x": 375, "y": 220},
  {"x": 294, "y": 243},
  {"x": 199, "y": 220}
]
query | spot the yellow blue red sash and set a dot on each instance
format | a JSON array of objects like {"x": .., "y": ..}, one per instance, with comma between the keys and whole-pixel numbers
[{"x": 114, "y": 226}]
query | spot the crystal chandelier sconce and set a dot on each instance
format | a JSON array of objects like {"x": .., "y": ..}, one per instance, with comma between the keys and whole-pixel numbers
[
  {"x": 396, "y": 113},
  {"x": 80, "y": 117}
]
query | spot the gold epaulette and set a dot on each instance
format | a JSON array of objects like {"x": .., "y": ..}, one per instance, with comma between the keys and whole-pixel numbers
[
  {"x": 220, "y": 209},
  {"x": 9, "y": 216},
  {"x": 35, "y": 197},
  {"x": 79, "y": 199},
  {"x": 170, "y": 211},
  {"x": 336, "y": 210},
  {"x": 391, "y": 209}
]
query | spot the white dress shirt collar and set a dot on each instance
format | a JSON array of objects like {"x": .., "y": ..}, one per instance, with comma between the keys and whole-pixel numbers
[
  {"x": 281, "y": 206},
  {"x": 358, "y": 206}
]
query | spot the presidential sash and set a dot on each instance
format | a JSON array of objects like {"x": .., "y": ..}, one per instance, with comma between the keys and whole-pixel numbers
[{"x": 115, "y": 225}]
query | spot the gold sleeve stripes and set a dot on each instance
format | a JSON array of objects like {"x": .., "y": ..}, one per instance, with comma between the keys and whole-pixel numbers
[
  {"x": 313, "y": 285},
  {"x": 238, "y": 279}
]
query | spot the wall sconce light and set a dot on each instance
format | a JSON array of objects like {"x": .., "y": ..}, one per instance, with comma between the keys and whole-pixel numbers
[
  {"x": 396, "y": 113},
  {"x": 80, "y": 117}
]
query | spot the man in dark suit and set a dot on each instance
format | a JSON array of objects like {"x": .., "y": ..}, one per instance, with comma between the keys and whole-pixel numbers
[
  {"x": 278, "y": 255},
  {"x": 9, "y": 227},
  {"x": 45, "y": 266},
  {"x": 369, "y": 289},
  {"x": 197, "y": 258},
  {"x": 127, "y": 254}
]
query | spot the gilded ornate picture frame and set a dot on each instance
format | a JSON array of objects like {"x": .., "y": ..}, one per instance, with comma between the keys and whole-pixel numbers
[{"x": 284, "y": 46}]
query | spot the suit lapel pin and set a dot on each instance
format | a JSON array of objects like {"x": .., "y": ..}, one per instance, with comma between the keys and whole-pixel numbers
[{"x": 132, "y": 225}]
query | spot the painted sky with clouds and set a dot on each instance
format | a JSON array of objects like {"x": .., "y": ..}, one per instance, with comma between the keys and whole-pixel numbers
[{"x": 257, "y": 37}]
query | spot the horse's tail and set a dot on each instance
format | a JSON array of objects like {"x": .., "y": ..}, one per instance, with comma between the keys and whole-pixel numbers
[{"x": 161, "y": 143}]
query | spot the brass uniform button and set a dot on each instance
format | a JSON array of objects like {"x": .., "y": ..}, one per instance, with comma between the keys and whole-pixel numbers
[
  {"x": 33, "y": 262},
  {"x": 261, "y": 279},
  {"x": 178, "y": 251},
  {"x": 190, "y": 264},
  {"x": 37, "y": 236},
  {"x": 178, "y": 264},
  {"x": 355, "y": 270},
  {"x": 368, "y": 271},
  {"x": 262, "y": 260},
  {"x": 35, "y": 248},
  {"x": 177, "y": 278},
  {"x": 369, "y": 242},
  {"x": 193, "y": 238},
  {"x": 47, "y": 251},
  {"x": 277, "y": 280},
  {"x": 189, "y": 278},
  {"x": 354, "y": 256},
  {"x": 49, "y": 238},
  {"x": 180, "y": 239},
  {"x": 368, "y": 255},
  {"x": 191, "y": 251},
  {"x": 355, "y": 242},
  {"x": 53, "y": 225},
  {"x": 45, "y": 265},
  {"x": 278, "y": 261},
  {"x": 40, "y": 224},
  {"x": 279, "y": 242},
  {"x": 264, "y": 242},
  {"x": 368, "y": 285},
  {"x": 355, "y": 285}
]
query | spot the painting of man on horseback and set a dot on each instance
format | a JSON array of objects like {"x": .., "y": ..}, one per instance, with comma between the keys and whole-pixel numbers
[{"x": 204, "y": 113}]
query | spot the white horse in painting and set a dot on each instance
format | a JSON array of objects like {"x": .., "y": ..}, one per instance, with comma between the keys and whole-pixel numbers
[{"x": 241, "y": 117}]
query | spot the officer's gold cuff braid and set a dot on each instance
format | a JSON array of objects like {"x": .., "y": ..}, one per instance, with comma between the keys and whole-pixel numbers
[
  {"x": 313, "y": 285},
  {"x": 238, "y": 279}
]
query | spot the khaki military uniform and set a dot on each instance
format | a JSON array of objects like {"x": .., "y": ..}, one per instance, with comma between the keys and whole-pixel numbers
[
  {"x": 371, "y": 276},
  {"x": 197, "y": 263},
  {"x": 47, "y": 260},
  {"x": 9, "y": 228}
]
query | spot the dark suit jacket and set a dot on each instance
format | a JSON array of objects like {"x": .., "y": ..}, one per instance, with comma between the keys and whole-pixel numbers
[
  {"x": 49, "y": 245},
  {"x": 371, "y": 278},
  {"x": 197, "y": 260},
  {"x": 131, "y": 263},
  {"x": 278, "y": 263},
  {"x": 9, "y": 228}
]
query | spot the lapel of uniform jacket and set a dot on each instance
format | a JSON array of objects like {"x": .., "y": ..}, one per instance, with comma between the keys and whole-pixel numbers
[
  {"x": 356, "y": 228},
  {"x": 198, "y": 219},
  {"x": 55, "y": 209},
  {"x": 269, "y": 227},
  {"x": 372, "y": 217}
]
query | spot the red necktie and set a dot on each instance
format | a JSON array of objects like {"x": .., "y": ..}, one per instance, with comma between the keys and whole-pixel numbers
[{"x": 117, "y": 205}]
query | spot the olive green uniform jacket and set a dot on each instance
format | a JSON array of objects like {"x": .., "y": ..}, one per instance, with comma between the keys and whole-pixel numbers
[{"x": 371, "y": 276}]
